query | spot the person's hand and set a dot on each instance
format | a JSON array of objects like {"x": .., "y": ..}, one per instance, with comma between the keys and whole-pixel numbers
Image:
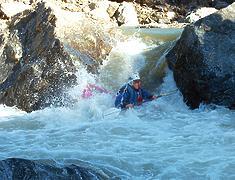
[{"x": 129, "y": 105}]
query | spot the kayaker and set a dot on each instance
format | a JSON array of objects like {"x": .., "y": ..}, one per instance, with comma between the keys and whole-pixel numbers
[{"x": 131, "y": 94}]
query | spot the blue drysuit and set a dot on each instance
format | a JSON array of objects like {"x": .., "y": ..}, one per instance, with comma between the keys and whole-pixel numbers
[{"x": 128, "y": 95}]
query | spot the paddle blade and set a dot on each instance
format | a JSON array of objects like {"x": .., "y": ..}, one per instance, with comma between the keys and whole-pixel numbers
[{"x": 111, "y": 112}]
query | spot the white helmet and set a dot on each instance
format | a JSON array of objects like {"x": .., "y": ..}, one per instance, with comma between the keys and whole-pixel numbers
[{"x": 133, "y": 77}]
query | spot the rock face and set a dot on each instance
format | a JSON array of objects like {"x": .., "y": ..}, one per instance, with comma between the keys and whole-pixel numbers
[
  {"x": 12, "y": 8},
  {"x": 88, "y": 35},
  {"x": 40, "y": 45},
  {"x": 37, "y": 69},
  {"x": 169, "y": 13},
  {"x": 14, "y": 168},
  {"x": 93, "y": 39},
  {"x": 7, "y": 54},
  {"x": 203, "y": 60},
  {"x": 150, "y": 13},
  {"x": 200, "y": 13},
  {"x": 126, "y": 14}
]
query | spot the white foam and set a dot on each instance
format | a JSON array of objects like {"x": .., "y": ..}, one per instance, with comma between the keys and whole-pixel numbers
[
  {"x": 162, "y": 139},
  {"x": 8, "y": 112}
]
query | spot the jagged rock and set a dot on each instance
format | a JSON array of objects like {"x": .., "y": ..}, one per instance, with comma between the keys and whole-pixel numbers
[
  {"x": 148, "y": 11},
  {"x": 151, "y": 3},
  {"x": 147, "y": 15},
  {"x": 160, "y": 15},
  {"x": 203, "y": 60},
  {"x": 126, "y": 15},
  {"x": 200, "y": 13},
  {"x": 12, "y": 8},
  {"x": 7, "y": 58},
  {"x": 2, "y": 14},
  {"x": 87, "y": 38},
  {"x": 201, "y": 3},
  {"x": 113, "y": 7},
  {"x": 39, "y": 47},
  {"x": 15, "y": 168},
  {"x": 99, "y": 11},
  {"x": 163, "y": 12},
  {"x": 42, "y": 69},
  {"x": 220, "y": 4}
]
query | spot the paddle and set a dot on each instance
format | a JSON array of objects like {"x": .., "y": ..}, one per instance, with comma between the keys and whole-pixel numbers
[
  {"x": 167, "y": 94},
  {"x": 111, "y": 112}
]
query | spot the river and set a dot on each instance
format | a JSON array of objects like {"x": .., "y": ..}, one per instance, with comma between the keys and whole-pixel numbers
[{"x": 162, "y": 139}]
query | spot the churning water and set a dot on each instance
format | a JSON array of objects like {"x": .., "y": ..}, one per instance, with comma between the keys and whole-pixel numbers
[{"x": 163, "y": 139}]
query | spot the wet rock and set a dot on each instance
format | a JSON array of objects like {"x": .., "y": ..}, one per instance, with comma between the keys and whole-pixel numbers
[
  {"x": 158, "y": 16},
  {"x": 113, "y": 7},
  {"x": 2, "y": 14},
  {"x": 219, "y": 4},
  {"x": 41, "y": 45},
  {"x": 143, "y": 12},
  {"x": 38, "y": 70},
  {"x": 200, "y": 13},
  {"x": 12, "y": 8},
  {"x": 7, "y": 54},
  {"x": 147, "y": 15},
  {"x": 161, "y": 13},
  {"x": 201, "y": 3},
  {"x": 98, "y": 11},
  {"x": 203, "y": 60},
  {"x": 154, "y": 70},
  {"x": 88, "y": 38},
  {"x": 15, "y": 168},
  {"x": 126, "y": 15},
  {"x": 86, "y": 29}
]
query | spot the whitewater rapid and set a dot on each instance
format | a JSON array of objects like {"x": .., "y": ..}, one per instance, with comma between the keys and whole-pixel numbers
[{"x": 163, "y": 139}]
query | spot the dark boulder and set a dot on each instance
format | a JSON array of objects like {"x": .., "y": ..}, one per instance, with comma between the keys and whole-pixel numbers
[
  {"x": 203, "y": 60},
  {"x": 38, "y": 70},
  {"x": 220, "y": 4},
  {"x": 15, "y": 168}
]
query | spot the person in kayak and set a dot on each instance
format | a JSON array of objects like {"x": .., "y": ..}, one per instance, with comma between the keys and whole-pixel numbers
[{"x": 131, "y": 94}]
